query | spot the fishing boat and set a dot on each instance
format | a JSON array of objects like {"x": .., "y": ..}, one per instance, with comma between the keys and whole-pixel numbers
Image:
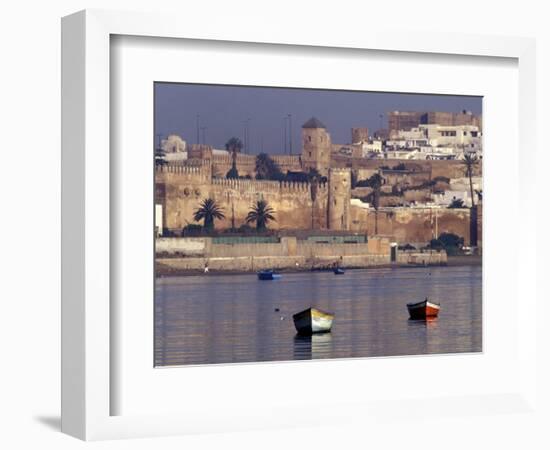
[
  {"x": 339, "y": 271},
  {"x": 425, "y": 309},
  {"x": 268, "y": 275},
  {"x": 312, "y": 320}
]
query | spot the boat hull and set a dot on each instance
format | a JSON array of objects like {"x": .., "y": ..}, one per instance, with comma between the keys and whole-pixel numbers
[
  {"x": 268, "y": 276},
  {"x": 339, "y": 272},
  {"x": 312, "y": 321},
  {"x": 423, "y": 310}
]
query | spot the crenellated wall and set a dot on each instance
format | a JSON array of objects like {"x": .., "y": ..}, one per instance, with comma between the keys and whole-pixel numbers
[
  {"x": 297, "y": 205},
  {"x": 288, "y": 162},
  {"x": 246, "y": 164}
]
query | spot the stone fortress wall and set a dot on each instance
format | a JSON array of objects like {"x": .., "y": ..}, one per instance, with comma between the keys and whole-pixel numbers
[
  {"x": 412, "y": 225},
  {"x": 180, "y": 188}
]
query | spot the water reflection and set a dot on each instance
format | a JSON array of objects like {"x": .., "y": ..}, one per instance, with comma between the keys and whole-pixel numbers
[
  {"x": 236, "y": 318},
  {"x": 313, "y": 347},
  {"x": 429, "y": 323}
]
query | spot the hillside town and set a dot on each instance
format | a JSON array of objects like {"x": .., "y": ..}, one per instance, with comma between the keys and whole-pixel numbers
[{"x": 409, "y": 193}]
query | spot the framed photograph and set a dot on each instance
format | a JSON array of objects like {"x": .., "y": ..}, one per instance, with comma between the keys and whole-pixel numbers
[
  {"x": 264, "y": 231},
  {"x": 252, "y": 201}
]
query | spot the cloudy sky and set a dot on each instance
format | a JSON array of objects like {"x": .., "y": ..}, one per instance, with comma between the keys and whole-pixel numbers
[{"x": 224, "y": 110}]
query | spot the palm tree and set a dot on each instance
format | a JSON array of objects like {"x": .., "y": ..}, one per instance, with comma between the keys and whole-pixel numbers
[
  {"x": 234, "y": 146},
  {"x": 208, "y": 210},
  {"x": 470, "y": 162},
  {"x": 233, "y": 172},
  {"x": 262, "y": 214},
  {"x": 375, "y": 182}
]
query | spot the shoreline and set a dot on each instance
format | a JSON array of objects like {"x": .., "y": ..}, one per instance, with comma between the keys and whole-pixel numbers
[
  {"x": 465, "y": 260},
  {"x": 162, "y": 271}
]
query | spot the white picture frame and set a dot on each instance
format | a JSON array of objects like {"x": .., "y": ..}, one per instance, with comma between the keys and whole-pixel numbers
[{"x": 87, "y": 316}]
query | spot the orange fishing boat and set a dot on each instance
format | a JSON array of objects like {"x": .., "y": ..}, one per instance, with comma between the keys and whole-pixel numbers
[{"x": 423, "y": 310}]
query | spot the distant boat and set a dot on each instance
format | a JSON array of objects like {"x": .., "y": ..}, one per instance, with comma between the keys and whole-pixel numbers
[
  {"x": 423, "y": 310},
  {"x": 339, "y": 271},
  {"x": 312, "y": 320},
  {"x": 268, "y": 275}
]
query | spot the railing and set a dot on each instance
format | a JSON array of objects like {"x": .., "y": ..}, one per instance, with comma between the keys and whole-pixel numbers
[{"x": 245, "y": 240}]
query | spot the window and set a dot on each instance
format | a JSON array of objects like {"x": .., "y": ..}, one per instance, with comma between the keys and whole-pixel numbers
[{"x": 309, "y": 138}]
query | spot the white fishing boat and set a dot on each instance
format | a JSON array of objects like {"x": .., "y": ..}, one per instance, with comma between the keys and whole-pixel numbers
[{"x": 313, "y": 320}]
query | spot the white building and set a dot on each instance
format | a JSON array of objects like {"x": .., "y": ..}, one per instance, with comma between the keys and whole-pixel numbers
[
  {"x": 374, "y": 146},
  {"x": 432, "y": 141},
  {"x": 173, "y": 144},
  {"x": 439, "y": 136},
  {"x": 403, "y": 153},
  {"x": 458, "y": 136}
]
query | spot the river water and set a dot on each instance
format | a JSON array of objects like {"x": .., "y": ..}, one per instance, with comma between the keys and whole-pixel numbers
[{"x": 237, "y": 318}]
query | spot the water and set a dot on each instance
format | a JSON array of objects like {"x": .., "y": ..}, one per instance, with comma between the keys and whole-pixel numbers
[{"x": 232, "y": 318}]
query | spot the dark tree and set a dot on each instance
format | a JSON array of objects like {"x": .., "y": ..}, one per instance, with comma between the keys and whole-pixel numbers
[
  {"x": 233, "y": 172},
  {"x": 470, "y": 162},
  {"x": 456, "y": 203},
  {"x": 267, "y": 169},
  {"x": 262, "y": 214},
  {"x": 208, "y": 211},
  {"x": 234, "y": 146},
  {"x": 451, "y": 242},
  {"x": 375, "y": 182}
]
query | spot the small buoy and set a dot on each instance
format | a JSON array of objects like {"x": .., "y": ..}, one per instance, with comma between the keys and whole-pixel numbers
[
  {"x": 277, "y": 309},
  {"x": 282, "y": 318}
]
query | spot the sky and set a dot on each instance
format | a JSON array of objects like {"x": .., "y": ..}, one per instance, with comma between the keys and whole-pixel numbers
[{"x": 224, "y": 110}]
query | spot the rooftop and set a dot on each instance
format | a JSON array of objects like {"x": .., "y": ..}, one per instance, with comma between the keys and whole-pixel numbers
[{"x": 314, "y": 123}]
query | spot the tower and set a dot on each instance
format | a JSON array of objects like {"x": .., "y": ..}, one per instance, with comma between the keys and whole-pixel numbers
[
  {"x": 316, "y": 146},
  {"x": 359, "y": 135},
  {"x": 339, "y": 197}
]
